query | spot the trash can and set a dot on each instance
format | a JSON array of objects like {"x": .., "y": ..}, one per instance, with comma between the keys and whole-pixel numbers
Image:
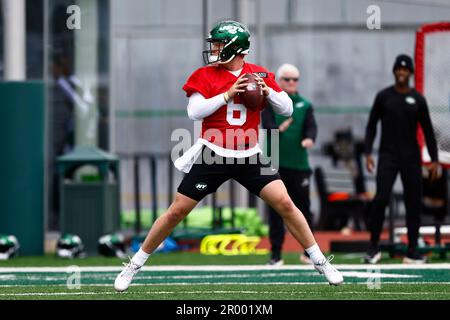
[{"x": 89, "y": 194}]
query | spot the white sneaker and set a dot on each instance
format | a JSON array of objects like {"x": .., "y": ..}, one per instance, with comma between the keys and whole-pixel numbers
[
  {"x": 333, "y": 276},
  {"x": 372, "y": 257},
  {"x": 275, "y": 263},
  {"x": 414, "y": 258},
  {"x": 124, "y": 279}
]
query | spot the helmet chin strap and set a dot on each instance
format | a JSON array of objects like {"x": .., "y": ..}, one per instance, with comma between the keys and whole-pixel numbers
[
  {"x": 231, "y": 58},
  {"x": 215, "y": 59}
]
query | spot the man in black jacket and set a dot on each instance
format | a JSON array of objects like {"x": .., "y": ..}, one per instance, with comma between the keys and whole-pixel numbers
[{"x": 400, "y": 109}]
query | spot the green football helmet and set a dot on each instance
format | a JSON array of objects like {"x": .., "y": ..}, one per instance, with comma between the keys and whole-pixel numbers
[
  {"x": 70, "y": 246},
  {"x": 9, "y": 246},
  {"x": 235, "y": 39}
]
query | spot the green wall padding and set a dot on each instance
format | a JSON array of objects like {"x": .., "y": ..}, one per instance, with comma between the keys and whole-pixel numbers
[{"x": 22, "y": 115}]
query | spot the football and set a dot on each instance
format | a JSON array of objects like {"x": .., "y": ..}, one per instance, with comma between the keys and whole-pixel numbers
[{"x": 253, "y": 96}]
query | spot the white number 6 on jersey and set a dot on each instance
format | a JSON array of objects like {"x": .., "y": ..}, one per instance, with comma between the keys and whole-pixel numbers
[{"x": 231, "y": 107}]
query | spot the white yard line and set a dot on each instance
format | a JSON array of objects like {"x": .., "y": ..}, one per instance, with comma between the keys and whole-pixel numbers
[{"x": 230, "y": 268}]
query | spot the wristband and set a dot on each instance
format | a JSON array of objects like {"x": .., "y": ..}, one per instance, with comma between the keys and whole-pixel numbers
[{"x": 226, "y": 97}]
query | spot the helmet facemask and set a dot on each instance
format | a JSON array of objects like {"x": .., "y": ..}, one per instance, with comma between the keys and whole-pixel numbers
[
  {"x": 219, "y": 52},
  {"x": 212, "y": 56}
]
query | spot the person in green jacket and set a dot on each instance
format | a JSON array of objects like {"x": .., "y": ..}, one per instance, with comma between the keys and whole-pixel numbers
[{"x": 297, "y": 134}]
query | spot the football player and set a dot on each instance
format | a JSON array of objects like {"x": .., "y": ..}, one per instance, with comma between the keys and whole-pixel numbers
[{"x": 230, "y": 136}]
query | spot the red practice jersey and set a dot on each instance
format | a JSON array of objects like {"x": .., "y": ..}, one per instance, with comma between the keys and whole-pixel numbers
[{"x": 232, "y": 120}]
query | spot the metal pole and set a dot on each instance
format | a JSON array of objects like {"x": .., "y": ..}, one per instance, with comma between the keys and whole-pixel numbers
[
  {"x": 260, "y": 34},
  {"x": 251, "y": 200},
  {"x": 49, "y": 167},
  {"x": 14, "y": 39},
  {"x": 154, "y": 188},
  {"x": 86, "y": 69},
  {"x": 214, "y": 210},
  {"x": 137, "y": 195},
  {"x": 291, "y": 11},
  {"x": 241, "y": 10},
  {"x": 170, "y": 183},
  {"x": 205, "y": 28},
  {"x": 232, "y": 203},
  {"x": 112, "y": 77}
]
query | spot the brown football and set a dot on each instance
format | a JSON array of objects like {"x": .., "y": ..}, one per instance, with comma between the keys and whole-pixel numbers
[{"x": 253, "y": 96}]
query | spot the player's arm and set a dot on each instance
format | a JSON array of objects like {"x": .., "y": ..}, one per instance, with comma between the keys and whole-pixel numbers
[
  {"x": 199, "y": 107},
  {"x": 280, "y": 101},
  {"x": 371, "y": 128},
  {"x": 427, "y": 127},
  {"x": 371, "y": 132},
  {"x": 310, "y": 127}
]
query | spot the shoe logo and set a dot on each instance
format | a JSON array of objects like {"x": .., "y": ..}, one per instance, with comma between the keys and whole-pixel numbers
[
  {"x": 201, "y": 186},
  {"x": 305, "y": 183}
]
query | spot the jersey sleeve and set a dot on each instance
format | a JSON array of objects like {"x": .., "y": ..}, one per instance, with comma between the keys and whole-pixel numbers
[
  {"x": 310, "y": 124},
  {"x": 197, "y": 82},
  {"x": 271, "y": 83},
  {"x": 371, "y": 128},
  {"x": 427, "y": 127}
]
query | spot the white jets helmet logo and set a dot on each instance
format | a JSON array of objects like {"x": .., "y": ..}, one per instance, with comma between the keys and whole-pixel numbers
[{"x": 231, "y": 29}]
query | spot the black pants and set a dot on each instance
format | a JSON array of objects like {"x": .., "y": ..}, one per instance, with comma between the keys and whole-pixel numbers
[
  {"x": 297, "y": 184},
  {"x": 411, "y": 176},
  {"x": 254, "y": 173}
]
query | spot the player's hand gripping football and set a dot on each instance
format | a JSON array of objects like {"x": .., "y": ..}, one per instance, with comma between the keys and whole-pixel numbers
[
  {"x": 237, "y": 87},
  {"x": 264, "y": 87}
]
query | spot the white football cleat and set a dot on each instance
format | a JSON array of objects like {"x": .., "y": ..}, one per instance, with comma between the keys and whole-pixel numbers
[
  {"x": 124, "y": 279},
  {"x": 333, "y": 276}
]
